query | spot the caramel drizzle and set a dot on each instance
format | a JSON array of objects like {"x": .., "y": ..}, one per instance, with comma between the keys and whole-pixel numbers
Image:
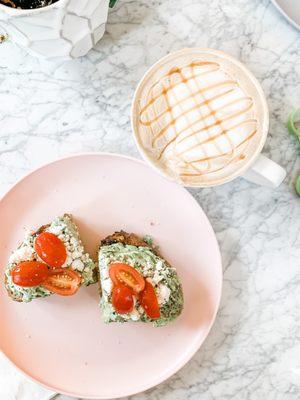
[
  {"x": 206, "y": 128},
  {"x": 218, "y": 122},
  {"x": 173, "y": 71},
  {"x": 204, "y": 102},
  {"x": 213, "y": 113},
  {"x": 186, "y": 115},
  {"x": 219, "y": 156},
  {"x": 221, "y": 134},
  {"x": 200, "y": 91},
  {"x": 195, "y": 107},
  {"x": 169, "y": 108}
]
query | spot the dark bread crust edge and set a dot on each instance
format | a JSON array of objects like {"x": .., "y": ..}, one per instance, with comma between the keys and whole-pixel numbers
[
  {"x": 10, "y": 293},
  {"x": 127, "y": 239}
]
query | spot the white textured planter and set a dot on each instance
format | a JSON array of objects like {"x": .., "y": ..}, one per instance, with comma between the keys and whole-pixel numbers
[{"x": 66, "y": 29}]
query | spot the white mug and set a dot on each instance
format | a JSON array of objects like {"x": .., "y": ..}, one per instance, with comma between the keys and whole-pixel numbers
[
  {"x": 257, "y": 168},
  {"x": 63, "y": 30},
  {"x": 265, "y": 172}
]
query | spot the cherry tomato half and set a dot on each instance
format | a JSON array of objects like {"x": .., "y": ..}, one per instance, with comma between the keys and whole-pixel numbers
[
  {"x": 127, "y": 275},
  {"x": 122, "y": 299},
  {"x": 50, "y": 249},
  {"x": 29, "y": 273},
  {"x": 148, "y": 301},
  {"x": 64, "y": 282}
]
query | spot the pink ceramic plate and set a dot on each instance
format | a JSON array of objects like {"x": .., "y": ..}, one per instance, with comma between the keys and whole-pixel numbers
[{"x": 61, "y": 342}]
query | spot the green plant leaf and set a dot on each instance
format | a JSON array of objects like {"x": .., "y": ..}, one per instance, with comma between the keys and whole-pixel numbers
[
  {"x": 112, "y": 3},
  {"x": 297, "y": 185}
]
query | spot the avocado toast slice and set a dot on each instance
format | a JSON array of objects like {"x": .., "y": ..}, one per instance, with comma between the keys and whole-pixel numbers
[
  {"x": 77, "y": 259},
  {"x": 129, "y": 249}
]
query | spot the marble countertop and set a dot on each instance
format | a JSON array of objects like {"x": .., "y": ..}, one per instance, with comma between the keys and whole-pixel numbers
[{"x": 50, "y": 110}]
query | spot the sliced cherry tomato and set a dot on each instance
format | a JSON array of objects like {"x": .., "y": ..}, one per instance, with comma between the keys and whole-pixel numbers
[
  {"x": 127, "y": 275},
  {"x": 50, "y": 249},
  {"x": 122, "y": 299},
  {"x": 148, "y": 301},
  {"x": 29, "y": 273},
  {"x": 64, "y": 282}
]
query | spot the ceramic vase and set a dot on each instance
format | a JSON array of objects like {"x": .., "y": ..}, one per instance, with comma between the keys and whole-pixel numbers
[{"x": 63, "y": 30}]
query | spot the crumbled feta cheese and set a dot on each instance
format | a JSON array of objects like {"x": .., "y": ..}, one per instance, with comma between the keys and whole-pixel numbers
[
  {"x": 68, "y": 261},
  {"x": 76, "y": 254},
  {"x": 107, "y": 285},
  {"x": 148, "y": 266},
  {"x": 78, "y": 265},
  {"x": 73, "y": 241},
  {"x": 55, "y": 229},
  {"x": 157, "y": 277},
  {"x": 159, "y": 265},
  {"x": 85, "y": 257},
  {"x": 150, "y": 281},
  {"x": 104, "y": 274},
  {"x": 28, "y": 238},
  {"x": 163, "y": 294},
  {"x": 140, "y": 310},
  {"x": 24, "y": 253},
  {"x": 134, "y": 315}
]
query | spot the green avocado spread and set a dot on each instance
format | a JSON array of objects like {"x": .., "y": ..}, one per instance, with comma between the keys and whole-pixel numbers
[
  {"x": 77, "y": 259},
  {"x": 156, "y": 270}
]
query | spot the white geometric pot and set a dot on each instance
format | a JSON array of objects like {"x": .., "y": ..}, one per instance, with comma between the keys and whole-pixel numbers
[{"x": 65, "y": 29}]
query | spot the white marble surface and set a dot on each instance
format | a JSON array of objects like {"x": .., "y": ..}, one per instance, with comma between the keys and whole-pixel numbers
[{"x": 50, "y": 110}]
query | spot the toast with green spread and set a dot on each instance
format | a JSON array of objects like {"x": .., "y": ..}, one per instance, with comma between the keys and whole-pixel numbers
[
  {"x": 127, "y": 260},
  {"x": 76, "y": 259}
]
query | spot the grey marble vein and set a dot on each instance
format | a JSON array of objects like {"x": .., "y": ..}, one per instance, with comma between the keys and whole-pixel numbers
[{"x": 50, "y": 110}]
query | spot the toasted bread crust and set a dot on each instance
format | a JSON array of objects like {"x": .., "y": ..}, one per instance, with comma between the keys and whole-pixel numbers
[
  {"x": 125, "y": 238},
  {"x": 130, "y": 239},
  {"x": 10, "y": 294}
]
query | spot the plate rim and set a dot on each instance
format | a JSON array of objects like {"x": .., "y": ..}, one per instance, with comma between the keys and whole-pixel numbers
[
  {"x": 198, "y": 343},
  {"x": 287, "y": 16}
]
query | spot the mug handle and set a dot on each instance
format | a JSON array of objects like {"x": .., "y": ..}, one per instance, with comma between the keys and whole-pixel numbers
[{"x": 265, "y": 172}]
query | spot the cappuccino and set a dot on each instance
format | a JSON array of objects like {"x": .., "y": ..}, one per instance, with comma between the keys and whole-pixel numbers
[{"x": 200, "y": 117}]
